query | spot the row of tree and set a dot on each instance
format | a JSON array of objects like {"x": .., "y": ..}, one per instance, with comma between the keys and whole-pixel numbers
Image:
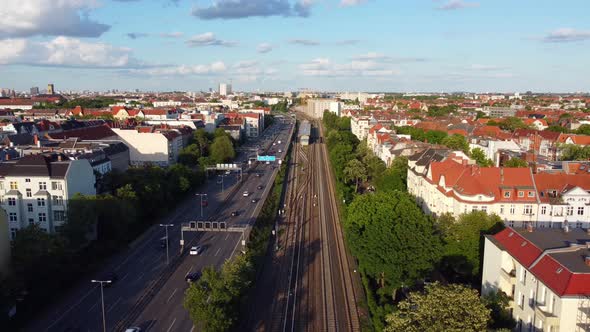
[
  {"x": 455, "y": 141},
  {"x": 208, "y": 149}
]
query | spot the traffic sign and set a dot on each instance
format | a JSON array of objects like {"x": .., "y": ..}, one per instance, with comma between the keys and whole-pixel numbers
[{"x": 266, "y": 158}]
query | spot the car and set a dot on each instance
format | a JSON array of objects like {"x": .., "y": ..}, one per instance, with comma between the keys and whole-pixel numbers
[
  {"x": 246, "y": 193},
  {"x": 254, "y": 200},
  {"x": 260, "y": 187},
  {"x": 274, "y": 143},
  {"x": 133, "y": 329},
  {"x": 192, "y": 277},
  {"x": 235, "y": 213},
  {"x": 280, "y": 150},
  {"x": 258, "y": 175},
  {"x": 196, "y": 250}
]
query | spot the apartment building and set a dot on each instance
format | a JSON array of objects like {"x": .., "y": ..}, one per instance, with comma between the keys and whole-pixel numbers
[
  {"x": 35, "y": 189},
  {"x": 455, "y": 185},
  {"x": 316, "y": 107},
  {"x": 150, "y": 145},
  {"x": 547, "y": 274},
  {"x": 360, "y": 125}
]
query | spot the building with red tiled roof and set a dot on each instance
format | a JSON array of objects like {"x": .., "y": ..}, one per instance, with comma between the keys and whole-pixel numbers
[
  {"x": 543, "y": 143},
  {"x": 574, "y": 139},
  {"x": 546, "y": 272},
  {"x": 94, "y": 133}
]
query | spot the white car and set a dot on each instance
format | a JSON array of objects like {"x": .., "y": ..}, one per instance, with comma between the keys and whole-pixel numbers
[
  {"x": 195, "y": 250},
  {"x": 133, "y": 329},
  {"x": 246, "y": 194}
]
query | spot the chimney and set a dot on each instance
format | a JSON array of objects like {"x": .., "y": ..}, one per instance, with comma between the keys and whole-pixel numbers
[
  {"x": 587, "y": 260},
  {"x": 529, "y": 227}
]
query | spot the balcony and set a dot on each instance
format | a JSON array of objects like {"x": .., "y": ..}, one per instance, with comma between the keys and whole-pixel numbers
[
  {"x": 510, "y": 277},
  {"x": 546, "y": 317}
]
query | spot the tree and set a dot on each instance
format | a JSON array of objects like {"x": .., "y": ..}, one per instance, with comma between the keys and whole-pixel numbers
[
  {"x": 512, "y": 123},
  {"x": 516, "y": 162},
  {"x": 464, "y": 241},
  {"x": 583, "y": 130},
  {"x": 480, "y": 158},
  {"x": 222, "y": 149},
  {"x": 456, "y": 142},
  {"x": 435, "y": 136},
  {"x": 355, "y": 171},
  {"x": 499, "y": 303},
  {"x": 394, "y": 178},
  {"x": 190, "y": 155},
  {"x": 393, "y": 240},
  {"x": 557, "y": 129},
  {"x": 452, "y": 308},
  {"x": 575, "y": 152}
]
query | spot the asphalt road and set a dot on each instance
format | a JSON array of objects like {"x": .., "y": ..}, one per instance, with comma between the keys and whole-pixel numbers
[{"x": 144, "y": 263}]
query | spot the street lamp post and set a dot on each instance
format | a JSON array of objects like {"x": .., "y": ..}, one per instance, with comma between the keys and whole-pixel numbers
[
  {"x": 167, "y": 241},
  {"x": 221, "y": 176},
  {"x": 201, "y": 196},
  {"x": 102, "y": 282}
]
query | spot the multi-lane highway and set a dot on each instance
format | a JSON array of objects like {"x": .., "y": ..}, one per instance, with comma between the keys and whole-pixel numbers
[
  {"x": 309, "y": 284},
  {"x": 149, "y": 292}
]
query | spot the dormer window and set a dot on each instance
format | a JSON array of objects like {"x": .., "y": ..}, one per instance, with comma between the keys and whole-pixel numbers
[
  {"x": 531, "y": 194},
  {"x": 520, "y": 193},
  {"x": 506, "y": 194}
]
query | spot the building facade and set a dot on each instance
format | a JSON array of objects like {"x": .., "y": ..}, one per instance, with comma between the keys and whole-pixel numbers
[{"x": 35, "y": 190}]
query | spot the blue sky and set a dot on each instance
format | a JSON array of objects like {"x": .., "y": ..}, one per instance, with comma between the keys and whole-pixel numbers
[{"x": 278, "y": 45}]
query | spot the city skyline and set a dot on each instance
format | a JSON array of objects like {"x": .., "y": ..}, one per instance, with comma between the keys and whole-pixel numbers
[{"x": 277, "y": 45}]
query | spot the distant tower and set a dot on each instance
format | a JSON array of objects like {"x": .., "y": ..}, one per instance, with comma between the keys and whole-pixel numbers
[
  {"x": 34, "y": 91},
  {"x": 50, "y": 89},
  {"x": 224, "y": 89}
]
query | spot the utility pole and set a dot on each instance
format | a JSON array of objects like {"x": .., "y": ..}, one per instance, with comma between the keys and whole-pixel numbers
[
  {"x": 167, "y": 241},
  {"x": 102, "y": 282}
]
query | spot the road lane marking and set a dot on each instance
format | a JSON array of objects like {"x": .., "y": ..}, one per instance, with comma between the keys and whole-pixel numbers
[
  {"x": 92, "y": 308},
  {"x": 217, "y": 251},
  {"x": 71, "y": 307},
  {"x": 171, "y": 295},
  {"x": 226, "y": 236},
  {"x": 141, "y": 275},
  {"x": 125, "y": 276},
  {"x": 150, "y": 325},
  {"x": 114, "y": 304},
  {"x": 170, "y": 328},
  {"x": 189, "y": 271}
]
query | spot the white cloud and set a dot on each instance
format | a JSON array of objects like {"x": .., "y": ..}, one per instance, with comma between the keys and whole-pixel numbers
[
  {"x": 208, "y": 39},
  {"x": 458, "y": 4},
  {"x": 184, "y": 70},
  {"x": 565, "y": 35},
  {"x": 325, "y": 67},
  {"x": 349, "y": 3},
  {"x": 175, "y": 34},
  {"x": 23, "y": 18},
  {"x": 386, "y": 58},
  {"x": 66, "y": 52},
  {"x": 304, "y": 42},
  {"x": 264, "y": 48}
]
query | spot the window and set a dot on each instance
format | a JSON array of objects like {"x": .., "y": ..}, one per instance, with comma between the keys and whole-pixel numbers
[
  {"x": 13, "y": 233},
  {"x": 528, "y": 209},
  {"x": 543, "y": 210},
  {"x": 512, "y": 209},
  {"x": 501, "y": 209},
  {"x": 532, "y": 299},
  {"x": 40, "y": 201},
  {"x": 42, "y": 217},
  {"x": 42, "y": 185},
  {"x": 506, "y": 194},
  {"x": 11, "y": 201},
  {"x": 30, "y": 207},
  {"x": 523, "y": 276},
  {"x": 27, "y": 180},
  {"x": 580, "y": 210},
  {"x": 570, "y": 210},
  {"x": 484, "y": 209},
  {"x": 58, "y": 200},
  {"x": 13, "y": 185},
  {"x": 520, "y": 193},
  {"x": 474, "y": 208},
  {"x": 531, "y": 194},
  {"x": 55, "y": 185},
  {"x": 12, "y": 216},
  {"x": 59, "y": 215},
  {"x": 29, "y": 194},
  {"x": 31, "y": 221}
]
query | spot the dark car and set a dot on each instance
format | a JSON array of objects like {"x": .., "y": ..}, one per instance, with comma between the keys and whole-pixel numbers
[
  {"x": 192, "y": 277},
  {"x": 235, "y": 213}
]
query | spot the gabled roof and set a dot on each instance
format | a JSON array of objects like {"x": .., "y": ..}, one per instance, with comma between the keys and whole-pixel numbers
[{"x": 87, "y": 133}]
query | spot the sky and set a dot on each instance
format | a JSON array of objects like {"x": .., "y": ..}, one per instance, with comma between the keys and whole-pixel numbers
[{"x": 287, "y": 45}]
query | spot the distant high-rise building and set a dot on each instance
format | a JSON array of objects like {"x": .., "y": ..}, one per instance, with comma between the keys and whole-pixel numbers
[
  {"x": 50, "y": 89},
  {"x": 224, "y": 89},
  {"x": 34, "y": 91}
]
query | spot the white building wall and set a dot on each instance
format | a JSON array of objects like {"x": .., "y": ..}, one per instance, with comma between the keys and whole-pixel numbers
[{"x": 145, "y": 148}]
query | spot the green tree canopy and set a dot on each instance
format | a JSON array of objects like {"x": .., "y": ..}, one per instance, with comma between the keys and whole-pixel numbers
[
  {"x": 222, "y": 149},
  {"x": 393, "y": 240},
  {"x": 583, "y": 130},
  {"x": 451, "y": 308},
  {"x": 512, "y": 123},
  {"x": 516, "y": 162},
  {"x": 456, "y": 142},
  {"x": 575, "y": 152},
  {"x": 355, "y": 171},
  {"x": 394, "y": 178},
  {"x": 480, "y": 158}
]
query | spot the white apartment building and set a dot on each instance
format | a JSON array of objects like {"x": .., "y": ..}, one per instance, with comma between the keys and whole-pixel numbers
[
  {"x": 225, "y": 89},
  {"x": 160, "y": 114},
  {"x": 456, "y": 185},
  {"x": 316, "y": 107},
  {"x": 167, "y": 103},
  {"x": 36, "y": 188},
  {"x": 547, "y": 274},
  {"x": 491, "y": 148},
  {"x": 150, "y": 146},
  {"x": 360, "y": 125}
]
